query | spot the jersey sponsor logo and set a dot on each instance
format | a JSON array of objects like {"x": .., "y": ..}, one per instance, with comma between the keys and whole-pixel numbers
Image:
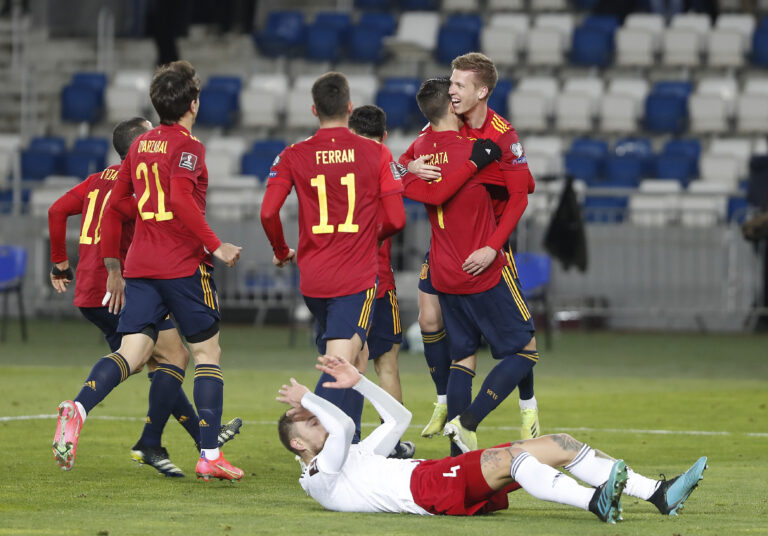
[
  {"x": 398, "y": 170},
  {"x": 452, "y": 473},
  {"x": 272, "y": 174},
  {"x": 188, "y": 161}
]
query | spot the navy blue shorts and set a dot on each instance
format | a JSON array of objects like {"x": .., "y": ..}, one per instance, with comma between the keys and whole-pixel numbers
[
  {"x": 385, "y": 328},
  {"x": 342, "y": 317},
  {"x": 191, "y": 300},
  {"x": 425, "y": 279},
  {"x": 500, "y": 314},
  {"x": 107, "y": 323}
]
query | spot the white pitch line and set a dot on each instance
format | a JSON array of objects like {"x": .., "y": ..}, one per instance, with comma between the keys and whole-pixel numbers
[{"x": 503, "y": 428}]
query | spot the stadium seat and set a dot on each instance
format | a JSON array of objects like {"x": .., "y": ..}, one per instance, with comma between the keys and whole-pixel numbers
[
  {"x": 752, "y": 107},
  {"x": 299, "y": 103},
  {"x": 82, "y": 100},
  {"x": 362, "y": 88},
  {"x": 681, "y": 47},
  {"x": 263, "y": 100},
  {"x": 622, "y": 171},
  {"x": 127, "y": 95},
  {"x": 378, "y": 5},
  {"x": 43, "y": 157},
  {"x": 593, "y": 41},
  {"x": 88, "y": 155},
  {"x": 534, "y": 270},
  {"x": 739, "y": 148},
  {"x": 323, "y": 43},
  {"x": 460, "y": 5},
  {"x": 583, "y": 166},
  {"x": 259, "y": 159},
  {"x": 622, "y": 105},
  {"x": 545, "y": 155},
  {"x": 611, "y": 209},
  {"x": 685, "y": 147},
  {"x": 737, "y": 210},
  {"x": 635, "y": 47},
  {"x": 666, "y": 108},
  {"x": 705, "y": 206},
  {"x": 504, "y": 37},
  {"x": 675, "y": 166},
  {"x": 222, "y": 155},
  {"x": 506, "y": 5},
  {"x": 760, "y": 46},
  {"x": 498, "y": 99},
  {"x": 13, "y": 267},
  {"x": 650, "y": 22},
  {"x": 532, "y": 103},
  {"x": 397, "y": 97},
  {"x": 416, "y": 34},
  {"x": 549, "y": 5},
  {"x": 640, "y": 148},
  {"x": 419, "y": 5},
  {"x": 546, "y": 46},
  {"x": 711, "y": 107},
  {"x": 219, "y": 102},
  {"x": 719, "y": 168},
  {"x": 725, "y": 48},
  {"x": 458, "y": 35},
  {"x": 283, "y": 34},
  {"x": 576, "y": 105},
  {"x": 656, "y": 203},
  {"x": 366, "y": 39}
]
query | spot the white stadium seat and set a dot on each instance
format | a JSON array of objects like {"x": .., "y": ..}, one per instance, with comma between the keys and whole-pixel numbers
[
  {"x": 681, "y": 47},
  {"x": 416, "y": 34},
  {"x": 532, "y": 103},
  {"x": 545, "y": 46},
  {"x": 576, "y": 106},
  {"x": 654, "y": 209},
  {"x": 544, "y": 154},
  {"x": 720, "y": 168},
  {"x": 263, "y": 100},
  {"x": 725, "y": 48},
  {"x": 636, "y": 47},
  {"x": 460, "y": 5},
  {"x": 752, "y": 113},
  {"x": 506, "y": 5},
  {"x": 362, "y": 88},
  {"x": 504, "y": 37},
  {"x": 622, "y": 105}
]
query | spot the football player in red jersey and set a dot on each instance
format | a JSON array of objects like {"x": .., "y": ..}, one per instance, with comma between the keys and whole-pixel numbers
[
  {"x": 509, "y": 182},
  {"x": 89, "y": 198},
  {"x": 167, "y": 269},
  {"x": 386, "y": 334},
  {"x": 348, "y": 190},
  {"x": 487, "y": 301}
]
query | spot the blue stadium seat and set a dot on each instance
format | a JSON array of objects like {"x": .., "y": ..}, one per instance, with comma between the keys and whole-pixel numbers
[
  {"x": 379, "y": 5},
  {"x": 283, "y": 34},
  {"x": 6, "y": 200},
  {"x": 384, "y": 22},
  {"x": 498, "y": 99},
  {"x": 760, "y": 45},
  {"x": 458, "y": 35},
  {"x": 43, "y": 157},
  {"x": 584, "y": 166},
  {"x": 666, "y": 112},
  {"x": 640, "y": 147},
  {"x": 534, "y": 271},
  {"x": 737, "y": 209},
  {"x": 323, "y": 43},
  {"x": 688, "y": 147},
  {"x": 592, "y": 46},
  {"x": 88, "y": 155},
  {"x": 83, "y": 98},
  {"x": 366, "y": 44},
  {"x": 219, "y": 102},
  {"x": 260, "y": 158},
  {"x": 419, "y": 5},
  {"x": 605, "y": 209},
  {"x": 675, "y": 166},
  {"x": 397, "y": 97},
  {"x": 597, "y": 148},
  {"x": 622, "y": 171}
]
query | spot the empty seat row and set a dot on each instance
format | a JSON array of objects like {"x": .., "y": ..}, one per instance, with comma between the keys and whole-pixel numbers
[{"x": 47, "y": 156}]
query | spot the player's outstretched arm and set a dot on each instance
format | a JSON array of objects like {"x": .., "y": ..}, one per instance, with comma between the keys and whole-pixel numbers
[
  {"x": 69, "y": 204},
  {"x": 228, "y": 253},
  {"x": 274, "y": 198}
]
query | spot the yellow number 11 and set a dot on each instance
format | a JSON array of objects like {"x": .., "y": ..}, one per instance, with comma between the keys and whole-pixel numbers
[{"x": 324, "y": 227}]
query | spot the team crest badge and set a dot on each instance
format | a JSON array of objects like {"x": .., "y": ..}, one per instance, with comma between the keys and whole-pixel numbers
[
  {"x": 517, "y": 149},
  {"x": 188, "y": 161}
]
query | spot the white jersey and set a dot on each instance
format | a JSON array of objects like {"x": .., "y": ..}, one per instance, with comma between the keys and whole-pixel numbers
[
  {"x": 360, "y": 478},
  {"x": 367, "y": 482}
]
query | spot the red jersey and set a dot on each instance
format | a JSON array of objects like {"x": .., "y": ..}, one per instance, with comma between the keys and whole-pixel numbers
[
  {"x": 462, "y": 224},
  {"x": 508, "y": 180},
  {"x": 89, "y": 199},
  {"x": 386, "y": 276},
  {"x": 339, "y": 178},
  {"x": 165, "y": 167}
]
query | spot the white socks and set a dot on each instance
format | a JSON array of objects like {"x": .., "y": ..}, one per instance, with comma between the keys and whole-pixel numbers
[
  {"x": 549, "y": 484},
  {"x": 442, "y": 399},
  {"x": 210, "y": 454},
  {"x": 81, "y": 410},
  {"x": 528, "y": 404},
  {"x": 594, "y": 470}
]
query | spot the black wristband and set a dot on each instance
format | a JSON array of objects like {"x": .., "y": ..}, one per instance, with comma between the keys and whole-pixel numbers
[{"x": 68, "y": 273}]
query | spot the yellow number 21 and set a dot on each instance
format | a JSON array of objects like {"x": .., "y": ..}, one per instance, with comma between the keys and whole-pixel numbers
[
  {"x": 142, "y": 173},
  {"x": 324, "y": 227}
]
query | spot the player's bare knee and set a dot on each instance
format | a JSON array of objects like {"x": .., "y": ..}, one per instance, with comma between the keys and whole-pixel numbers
[{"x": 531, "y": 346}]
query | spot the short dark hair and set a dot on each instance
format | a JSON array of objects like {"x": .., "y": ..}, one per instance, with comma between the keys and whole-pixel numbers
[
  {"x": 370, "y": 121},
  {"x": 127, "y": 131},
  {"x": 173, "y": 89},
  {"x": 330, "y": 94},
  {"x": 433, "y": 98},
  {"x": 285, "y": 429}
]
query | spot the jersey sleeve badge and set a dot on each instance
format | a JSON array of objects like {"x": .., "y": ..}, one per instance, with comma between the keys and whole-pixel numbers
[{"x": 188, "y": 161}]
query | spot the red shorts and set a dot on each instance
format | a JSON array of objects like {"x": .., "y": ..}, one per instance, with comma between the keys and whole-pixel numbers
[{"x": 457, "y": 487}]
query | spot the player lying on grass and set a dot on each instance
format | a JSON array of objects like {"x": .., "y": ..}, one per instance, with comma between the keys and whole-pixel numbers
[{"x": 360, "y": 478}]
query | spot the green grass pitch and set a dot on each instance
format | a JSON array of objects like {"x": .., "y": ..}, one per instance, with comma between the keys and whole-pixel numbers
[{"x": 657, "y": 400}]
